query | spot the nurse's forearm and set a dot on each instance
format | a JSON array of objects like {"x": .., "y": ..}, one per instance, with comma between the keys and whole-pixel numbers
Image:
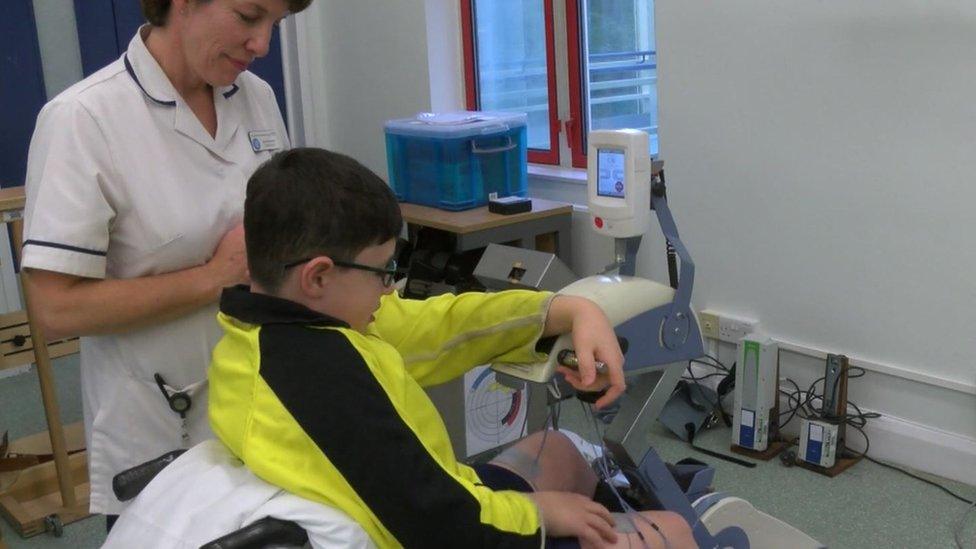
[{"x": 67, "y": 305}]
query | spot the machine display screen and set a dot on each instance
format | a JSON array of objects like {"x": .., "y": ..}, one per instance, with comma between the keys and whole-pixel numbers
[{"x": 610, "y": 173}]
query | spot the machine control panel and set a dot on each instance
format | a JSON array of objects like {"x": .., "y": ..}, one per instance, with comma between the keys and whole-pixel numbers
[{"x": 618, "y": 182}]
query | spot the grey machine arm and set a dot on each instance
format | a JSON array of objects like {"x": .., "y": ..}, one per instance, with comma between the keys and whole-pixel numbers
[{"x": 657, "y": 322}]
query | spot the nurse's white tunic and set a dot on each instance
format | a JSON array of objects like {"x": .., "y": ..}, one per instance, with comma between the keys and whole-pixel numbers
[{"x": 123, "y": 181}]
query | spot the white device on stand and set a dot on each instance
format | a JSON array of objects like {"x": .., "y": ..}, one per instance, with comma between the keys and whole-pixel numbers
[
  {"x": 659, "y": 328},
  {"x": 653, "y": 320},
  {"x": 618, "y": 182}
]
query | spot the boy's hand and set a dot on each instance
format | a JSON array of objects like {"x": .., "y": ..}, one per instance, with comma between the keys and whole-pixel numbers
[
  {"x": 593, "y": 340},
  {"x": 567, "y": 514}
]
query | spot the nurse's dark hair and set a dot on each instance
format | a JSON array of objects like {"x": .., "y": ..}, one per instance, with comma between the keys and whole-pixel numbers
[
  {"x": 157, "y": 11},
  {"x": 306, "y": 202}
]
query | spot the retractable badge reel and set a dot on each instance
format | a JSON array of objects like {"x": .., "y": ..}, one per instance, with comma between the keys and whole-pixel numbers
[{"x": 180, "y": 403}]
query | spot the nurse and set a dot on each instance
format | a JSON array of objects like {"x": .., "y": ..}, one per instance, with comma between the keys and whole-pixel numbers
[{"x": 135, "y": 193}]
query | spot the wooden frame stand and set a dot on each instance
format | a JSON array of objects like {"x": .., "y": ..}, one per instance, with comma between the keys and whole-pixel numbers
[
  {"x": 44, "y": 497},
  {"x": 835, "y": 383},
  {"x": 841, "y": 465}
]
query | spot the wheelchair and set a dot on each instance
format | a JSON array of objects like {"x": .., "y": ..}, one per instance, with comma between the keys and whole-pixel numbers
[{"x": 264, "y": 533}]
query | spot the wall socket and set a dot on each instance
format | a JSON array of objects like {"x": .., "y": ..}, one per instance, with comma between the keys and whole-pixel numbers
[
  {"x": 709, "y": 324},
  {"x": 723, "y": 327}
]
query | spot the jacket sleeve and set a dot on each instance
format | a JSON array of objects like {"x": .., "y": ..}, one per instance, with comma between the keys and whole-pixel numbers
[
  {"x": 442, "y": 337},
  {"x": 367, "y": 439}
]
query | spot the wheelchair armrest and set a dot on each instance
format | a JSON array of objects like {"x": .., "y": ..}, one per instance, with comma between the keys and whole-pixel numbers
[
  {"x": 130, "y": 482},
  {"x": 262, "y": 533}
]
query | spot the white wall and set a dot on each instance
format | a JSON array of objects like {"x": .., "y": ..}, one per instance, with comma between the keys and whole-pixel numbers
[
  {"x": 57, "y": 39},
  {"x": 365, "y": 62},
  {"x": 828, "y": 149},
  {"x": 820, "y": 156},
  {"x": 819, "y": 160}
]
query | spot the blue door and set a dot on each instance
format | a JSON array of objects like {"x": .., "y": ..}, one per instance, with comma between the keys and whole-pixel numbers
[
  {"x": 23, "y": 95},
  {"x": 104, "y": 30}
]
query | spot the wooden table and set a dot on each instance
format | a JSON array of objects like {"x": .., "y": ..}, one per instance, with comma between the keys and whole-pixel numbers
[{"x": 547, "y": 227}]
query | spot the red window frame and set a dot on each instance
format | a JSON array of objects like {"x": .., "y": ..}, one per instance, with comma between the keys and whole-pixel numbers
[
  {"x": 577, "y": 123},
  {"x": 471, "y": 78}
]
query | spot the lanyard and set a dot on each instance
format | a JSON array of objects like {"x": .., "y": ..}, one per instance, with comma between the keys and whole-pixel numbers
[{"x": 180, "y": 402}]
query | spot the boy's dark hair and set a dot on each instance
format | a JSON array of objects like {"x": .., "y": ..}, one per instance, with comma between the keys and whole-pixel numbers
[{"x": 305, "y": 202}]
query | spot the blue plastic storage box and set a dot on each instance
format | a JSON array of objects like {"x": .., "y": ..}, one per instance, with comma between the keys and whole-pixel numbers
[{"x": 453, "y": 161}]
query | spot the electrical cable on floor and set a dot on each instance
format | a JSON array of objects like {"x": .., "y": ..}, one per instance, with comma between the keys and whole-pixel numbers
[
  {"x": 717, "y": 410},
  {"x": 725, "y": 457},
  {"x": 806, "y": 408},
  {"x": 957, "y": 534},
  {"x": 925, "y": 480},
  {"x": 803, "y": 404}
]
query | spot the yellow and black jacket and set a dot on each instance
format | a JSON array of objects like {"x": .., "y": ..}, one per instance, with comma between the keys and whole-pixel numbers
[{"x": 340, "y": 417}]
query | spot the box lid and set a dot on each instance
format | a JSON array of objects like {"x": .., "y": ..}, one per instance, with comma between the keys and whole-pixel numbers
[{"x": 455, "y": 125}]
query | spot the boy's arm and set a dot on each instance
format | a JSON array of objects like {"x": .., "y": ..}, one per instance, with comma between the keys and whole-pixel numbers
[
  {"x": 593, "y": 340},
  {"x": 442, "y": 337},
  {"x": 445, "y": 336}
]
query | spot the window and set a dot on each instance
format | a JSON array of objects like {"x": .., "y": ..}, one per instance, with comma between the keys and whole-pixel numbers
[{"x": 610, "y": 65}]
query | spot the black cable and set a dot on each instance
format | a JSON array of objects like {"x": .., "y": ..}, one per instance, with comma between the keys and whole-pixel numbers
[
  {"x": 961, "y": 526},
  {"x": 925, "y": 480},
  {"x": 716, "y": 362},
  {"x": 697, "y": 381},
  {"x": 690, "y": 430},
  {"x": 858, "y": 421},
  {"x": 790, "y": 397},
  {"x": 706, "y": 376},
  {"x": 799, "y": 406},
  {"x": 710, "y": 365},
  {"x": 718, "y": 409},
  {"x": 867, "y": 443}
]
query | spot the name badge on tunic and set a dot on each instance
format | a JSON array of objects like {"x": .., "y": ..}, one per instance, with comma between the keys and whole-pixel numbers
[{"x": 264, "y": 140}]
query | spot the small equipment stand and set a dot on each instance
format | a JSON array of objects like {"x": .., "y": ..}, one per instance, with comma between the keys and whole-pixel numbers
[
  {"x": 756, "y": 428},
  {"x": 822, "y": 437}
]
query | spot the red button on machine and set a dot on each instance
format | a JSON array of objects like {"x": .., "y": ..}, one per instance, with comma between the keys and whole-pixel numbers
[{"x": 598, "y": 221}]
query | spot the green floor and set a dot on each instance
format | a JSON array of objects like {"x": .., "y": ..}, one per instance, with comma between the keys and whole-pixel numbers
[{"x": 867, "y": 506}]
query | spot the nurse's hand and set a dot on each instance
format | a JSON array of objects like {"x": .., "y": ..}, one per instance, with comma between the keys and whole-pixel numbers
[
  {"x": 593, "y": 340},
  {"x": 229, "y": 263}
]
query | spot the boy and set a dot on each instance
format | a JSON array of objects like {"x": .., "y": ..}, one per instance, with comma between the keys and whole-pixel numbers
[{"x": 317, "y": 383}]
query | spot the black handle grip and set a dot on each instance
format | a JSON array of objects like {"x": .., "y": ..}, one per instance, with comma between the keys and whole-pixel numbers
[
  {"x": 590, "y": 396},
  {"x": 624, "y": 344},
  {"x": 130, "y": 482},
  {"x": 263, "y": 533}
]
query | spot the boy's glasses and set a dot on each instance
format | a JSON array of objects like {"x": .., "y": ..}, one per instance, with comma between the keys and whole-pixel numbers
[{"x": 386, "y": 273}]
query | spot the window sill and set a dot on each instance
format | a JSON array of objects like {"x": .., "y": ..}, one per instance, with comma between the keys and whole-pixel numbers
[{"x": 576, "y": 176}]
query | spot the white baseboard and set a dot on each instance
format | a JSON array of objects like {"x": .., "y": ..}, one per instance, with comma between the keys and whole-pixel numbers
[
  {"x": 902, "y": 442},
  {"x": 896, "y": 440}
]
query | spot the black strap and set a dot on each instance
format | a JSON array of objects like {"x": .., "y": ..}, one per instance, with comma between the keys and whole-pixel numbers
[
  {"x": 690, "y": 428},
  {"x": 267, "y": 532}
]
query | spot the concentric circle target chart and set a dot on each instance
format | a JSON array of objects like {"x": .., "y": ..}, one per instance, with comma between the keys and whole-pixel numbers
[{"x": 494, "y": 414}]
